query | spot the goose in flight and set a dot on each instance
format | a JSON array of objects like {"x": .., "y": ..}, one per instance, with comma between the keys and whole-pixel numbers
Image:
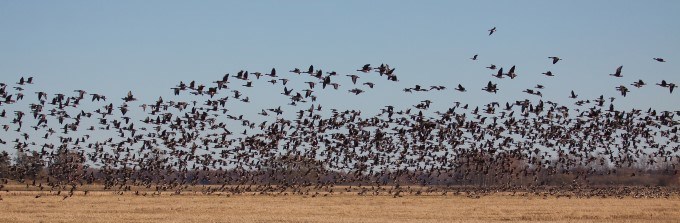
[
  {"x": 418, "y": 88},
  {"x": 284, "y": 81},
  {"x": 618, "y": 72},
  {"x": 659, "y": 59},
  {"x": 354, "y": 78},
  {"x": 310, "y": 70},
  {"x": 272, "y": 73},
  {"x": 554, "y": 59},
  {"x": 573, "y": 95},
  {"x": 98, "y": 97},
  {"x": 41, "y": 95},
  {"x": 670, "y": 86},
  {"x": 242, "y": 75},
  {"x": 319, "y": 74},
  {"x": 623, "y": 90},
  {"x": 366, "y": 68},
  {"x": 499, "y": 74},
  {"x": 129, "y": 97},
  {"x": 490, "y": 87},
  {"x": 23, "y": 81},
  {"x": 286, "y": 91},
  {"x": 438, "y": 88},
  {"x": 492, "y": 30},
  {"x": 511, "y": 72},
  {"x": 296, "y": 70},
  {"x": 460, "y": 88},
  {"x": 639, "y": 84},
  {"x": 532, "y": 92},
  {"x": 356, "y": 91}
]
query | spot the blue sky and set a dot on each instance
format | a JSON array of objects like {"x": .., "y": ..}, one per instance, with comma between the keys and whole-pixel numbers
[{"x": 149, "y": 46}]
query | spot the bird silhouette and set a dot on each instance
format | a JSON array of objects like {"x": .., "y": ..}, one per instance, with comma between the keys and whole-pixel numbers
[
  {"x": 554, "y": 59},
  {"x": 492, "y": 30}
]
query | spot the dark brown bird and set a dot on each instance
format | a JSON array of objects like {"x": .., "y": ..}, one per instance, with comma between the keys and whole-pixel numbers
[
  {"x": 618, "y": 72},
  {"x": 554, "y": 59},
  {"x": 492, "y": 30}
]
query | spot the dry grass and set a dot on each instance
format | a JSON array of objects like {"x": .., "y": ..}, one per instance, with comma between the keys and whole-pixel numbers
[{"x": 106, "y": 207}]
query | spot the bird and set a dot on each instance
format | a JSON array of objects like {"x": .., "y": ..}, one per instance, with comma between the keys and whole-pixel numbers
[
  {"x": 310, "y": 70},
  {"x": 490, "y": 87},
  {"x": 438, "y": 87},
  {"x": 548, "y": 73},
  {"x": 41, "y": 95},
  {"x": 659, "y": 59},
  {"x": 554, "y": 59},
  {"x": 356, "y": 91},
  {"x": 573, "y": 95},
  {"x": 492, "y": 30},
  {"x": 499, "y": 74},
  {"x": 272, "y": 73},
  {"x": 532, "y": 92},
  {"x": 639, "y": 83},
  {"x": 671, "y": 86},
  {"x": 366, "y": 68},
  {"x": 511, "y": 73},
  {"x": 354, "y": 78},
  {"x": 460, "y": 88},
  {"x": 474, "y": 57},
  {"x": 623, "y": 90},
  {"x": 311, "y": 84},
  {"x": 618, "y": 72},
  {"x": 663, "y": 83},
  {"x": 418, "y": 88},
  {"x": 129, "y": 97}
]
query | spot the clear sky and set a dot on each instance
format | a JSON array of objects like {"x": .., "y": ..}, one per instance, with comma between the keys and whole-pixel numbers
[{"x": 111, "y": 47}]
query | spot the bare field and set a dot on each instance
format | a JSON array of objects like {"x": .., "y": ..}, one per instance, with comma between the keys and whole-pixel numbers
[{"x": 107, "y": 207}]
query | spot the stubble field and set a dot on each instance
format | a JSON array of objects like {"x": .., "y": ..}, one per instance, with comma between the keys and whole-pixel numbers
[{"x": 108, "y": 207}]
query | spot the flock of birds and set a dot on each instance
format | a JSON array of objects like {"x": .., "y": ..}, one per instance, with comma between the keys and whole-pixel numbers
[{"x": 175, "y": 145}]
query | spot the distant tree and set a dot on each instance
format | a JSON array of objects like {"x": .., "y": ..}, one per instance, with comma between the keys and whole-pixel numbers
[
  {"x": 66, "y": 166},
  {"x": 4, "y": 165},
  {"x": 294, "y": 169},
  {"x": 28, "y": 165}
]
